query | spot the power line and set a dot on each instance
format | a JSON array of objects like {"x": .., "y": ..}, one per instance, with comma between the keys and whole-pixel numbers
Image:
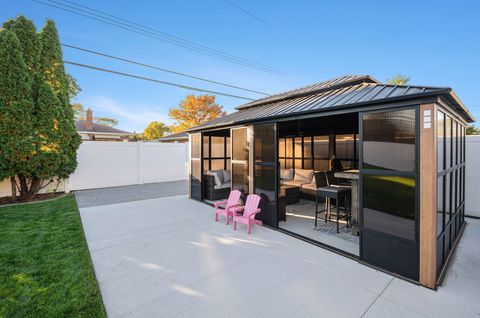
[
  {"x": 155, "y": 34},
  {"x": 155, "y": 80},
  {"x": 236, "y": 6},
  {"x": 160, "y": 69}
]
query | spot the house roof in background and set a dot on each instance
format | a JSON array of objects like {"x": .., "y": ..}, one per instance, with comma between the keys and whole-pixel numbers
[
  {"x": 81, "y": 126},
  {"x": 178, "y": 136},
  {"x": 349, "y": 92}
]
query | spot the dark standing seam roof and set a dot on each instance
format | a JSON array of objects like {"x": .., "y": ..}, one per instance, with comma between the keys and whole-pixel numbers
[{"x": 351, "y": 90}]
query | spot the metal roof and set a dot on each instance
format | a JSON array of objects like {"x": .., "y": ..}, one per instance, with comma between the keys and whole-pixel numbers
[{"x": 347, "y": 91}]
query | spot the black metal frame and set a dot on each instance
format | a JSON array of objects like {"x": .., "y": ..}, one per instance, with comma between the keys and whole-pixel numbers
[
  {"x": 225, "y": 158},
  {"x": 275, "y": 165},
  {"x": 454, "y": 168}
]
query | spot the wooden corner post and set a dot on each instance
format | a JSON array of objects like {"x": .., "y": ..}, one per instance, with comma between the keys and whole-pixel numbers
[{"x": 428, "y": 195}]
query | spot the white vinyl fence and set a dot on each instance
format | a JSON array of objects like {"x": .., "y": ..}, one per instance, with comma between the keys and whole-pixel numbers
[
  {"x": 472, "y": 176},
  {"x": 111, "y": 164}
]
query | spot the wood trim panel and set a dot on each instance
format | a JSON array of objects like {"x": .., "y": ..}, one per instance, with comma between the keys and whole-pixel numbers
[
  {"x": 428, "y": 195},
  {"x": 251, "y": 161}
]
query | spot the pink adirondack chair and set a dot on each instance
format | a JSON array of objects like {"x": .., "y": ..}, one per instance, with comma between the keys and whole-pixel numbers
[
  {"x": 230, "y": 205},
  {"x": 249, "y": 211}
]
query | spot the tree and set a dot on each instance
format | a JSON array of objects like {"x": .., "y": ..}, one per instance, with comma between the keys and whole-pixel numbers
[
  {"x": 155, "y": 130},
  {"x": 38, "y": 136},
  {"x": 194, "y": 111},
  {"x": 399, "y": 80},
  {"x": 16, "y": 108},
  {"x": 472, "y": 130}
]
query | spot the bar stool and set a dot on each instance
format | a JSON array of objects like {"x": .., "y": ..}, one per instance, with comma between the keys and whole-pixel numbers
[{"x": 338, "y": 193}]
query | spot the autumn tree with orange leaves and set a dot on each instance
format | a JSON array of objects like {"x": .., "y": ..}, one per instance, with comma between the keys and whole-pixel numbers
[{"x": 194, "y": 111}]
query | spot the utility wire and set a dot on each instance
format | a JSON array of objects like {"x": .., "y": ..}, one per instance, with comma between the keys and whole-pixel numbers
[
  {"x": 236, "y": 6},
  {"x": 158, "y": 35},
  {"x": 160, "y": 69},
  {"x": 155, "y": 80}
]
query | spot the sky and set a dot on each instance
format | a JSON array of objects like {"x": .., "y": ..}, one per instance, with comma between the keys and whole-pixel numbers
[{"x": 435, "y": 43}]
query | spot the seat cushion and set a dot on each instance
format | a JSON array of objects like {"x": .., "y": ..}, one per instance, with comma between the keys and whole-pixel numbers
[
  {"x": 293, "y": 183},
  {"x": 217, "y": 174},
  {"x": 226, "y": 176},
  {"x": 303, "y": 175},
  {"x": 309, "y": 186},
  {"x": 222, "y": 186},
  {"x": 286, "y": 174}
]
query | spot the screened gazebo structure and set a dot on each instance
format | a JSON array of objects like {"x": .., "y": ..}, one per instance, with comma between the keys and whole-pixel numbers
[{"x": 397, "y": 152}]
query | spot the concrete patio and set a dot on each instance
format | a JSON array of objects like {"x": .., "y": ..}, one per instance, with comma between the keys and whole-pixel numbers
[{"x": 166, "y": 257}]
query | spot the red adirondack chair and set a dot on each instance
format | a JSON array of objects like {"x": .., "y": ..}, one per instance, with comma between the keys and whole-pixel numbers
[
  {"x": 249, "y": 211},
  {"x": 229, "y": 205}
]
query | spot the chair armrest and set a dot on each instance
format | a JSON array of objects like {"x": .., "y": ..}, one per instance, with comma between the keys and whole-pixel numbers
[
  {"x": 235, "y": 207},
  {"x": 256, "y": 211},
  {"x": 238, "y": 208},
  {"x": 217, "y": 204}
]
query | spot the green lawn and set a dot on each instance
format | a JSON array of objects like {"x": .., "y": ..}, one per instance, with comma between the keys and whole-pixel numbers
[{"x": 45, "y": 267}]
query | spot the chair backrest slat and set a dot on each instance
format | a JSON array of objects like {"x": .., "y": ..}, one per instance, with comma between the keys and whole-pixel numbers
[
  {"x": 251, "y": 205},
  {"x": 233, "y": 198}
]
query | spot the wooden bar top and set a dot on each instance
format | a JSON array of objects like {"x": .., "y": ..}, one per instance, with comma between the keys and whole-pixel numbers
[{"x": 347, "y": 174}]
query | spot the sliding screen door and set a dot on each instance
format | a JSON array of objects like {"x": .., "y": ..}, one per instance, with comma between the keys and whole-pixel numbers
[
  {"x": 240, "y": 152},
  {"x": 196, "y": 166},
  {"x": 388, "y": 176},
  {"x": 265, "y": 169}
]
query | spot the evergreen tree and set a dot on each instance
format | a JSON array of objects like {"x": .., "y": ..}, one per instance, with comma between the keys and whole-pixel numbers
[
  {"x": 44, "y": 115},
  {"x": 16, "y": 107}
]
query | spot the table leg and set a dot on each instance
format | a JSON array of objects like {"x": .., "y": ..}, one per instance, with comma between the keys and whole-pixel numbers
[
  {"x": 338, "y": 215},
  {"x": 316, "y": 209}
]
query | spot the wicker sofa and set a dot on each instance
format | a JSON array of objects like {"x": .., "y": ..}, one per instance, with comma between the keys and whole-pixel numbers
[
  {"x": 305, "y": 179},
  {"x": 217, "y": 184}
]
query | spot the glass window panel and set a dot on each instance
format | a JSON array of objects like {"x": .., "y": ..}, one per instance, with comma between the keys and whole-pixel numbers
[
  {"x": 307, "y": 164},
  {"x": 206, "y": 165},
  {"x": 440, "y": 204},
  {"x": 206, "y": 148},
  {"x": 218, "y": 144},
  {"x": 448, "y": 141},
  {"x": 229, "y": 148},
  {"x": 196, "y": 170},
  {"x": 356, "y": 147},
  {"x": 455, "y": 143},
  {"x": 217, "y": 164},
  {"x": 240, "y": 177},
  {"x": 307, "y": 147},
  {"x": 298, "y": 147},
  {"x": 345, "y": 146},
  {"x": 320, "y": 165},
  {"x": 448, "y": 193},
  {"x": 229, "y": 164},
  {"x": 289, "y": 163},
  {"x": 239, "y": 144},
  {"x": 389, "y": 205},
  {"x": 195, "y": 146},
  {"x": 265, "y": 182},
  {"x": 282, "y": 163},
  {"x": 289, "y": 147},
  {"x": 264, "y": 143},
  {"x": 441, "y": 140},
  {"x": 298, "y": 163},
  {"x": 347, "y": 164},
  {"x": 320, "y": 147},
  {"x": 281, "y": 147},
  {"x": 389, "y": 140}
]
